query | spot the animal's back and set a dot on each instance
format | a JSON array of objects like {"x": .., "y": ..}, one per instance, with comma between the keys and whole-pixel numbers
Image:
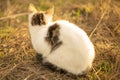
[{"x": 76, "y": 52}]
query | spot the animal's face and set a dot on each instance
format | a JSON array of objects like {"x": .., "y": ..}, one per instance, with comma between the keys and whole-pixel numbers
[{"x": 40, "y": 17}]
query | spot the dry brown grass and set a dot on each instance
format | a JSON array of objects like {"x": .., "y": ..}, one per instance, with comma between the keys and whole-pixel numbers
[{"x": 100, "y": 19}]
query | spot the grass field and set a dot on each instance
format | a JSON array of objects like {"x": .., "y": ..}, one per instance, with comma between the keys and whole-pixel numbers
[{"x": 99, "y": 18}]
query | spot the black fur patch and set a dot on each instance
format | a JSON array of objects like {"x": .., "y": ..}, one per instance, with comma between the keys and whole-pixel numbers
[
  {"x": 50, "y": 66},
  {"x": 53, "y": 37},
  {"x": 39, "y": 57},
  {"x": 38, "y": 19}
]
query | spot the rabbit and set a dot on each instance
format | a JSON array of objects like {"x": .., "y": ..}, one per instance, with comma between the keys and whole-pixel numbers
[{"x": 60, "y": 42}]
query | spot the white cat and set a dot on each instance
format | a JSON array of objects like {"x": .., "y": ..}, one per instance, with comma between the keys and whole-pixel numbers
[{"x": 61, "y": 43}]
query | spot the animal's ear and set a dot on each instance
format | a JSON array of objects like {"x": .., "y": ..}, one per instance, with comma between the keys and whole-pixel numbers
[
  {"x": 32, "y": 8},
  {"x": 50, "y": 11}
]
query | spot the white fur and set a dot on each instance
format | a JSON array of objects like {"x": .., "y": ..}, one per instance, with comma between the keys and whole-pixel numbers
[{"x": 75, "y": 55}]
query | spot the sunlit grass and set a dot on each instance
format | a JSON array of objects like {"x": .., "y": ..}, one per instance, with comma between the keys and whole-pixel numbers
[{"x": 6, "y": 31}]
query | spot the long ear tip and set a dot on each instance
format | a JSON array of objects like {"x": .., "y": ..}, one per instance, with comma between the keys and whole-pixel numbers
[
  {"x": 30, "y": 4},
  {"x": 50, "y": 11},
  {"x": 31, "y": 8},
  {"x": 53, "y": 8}
]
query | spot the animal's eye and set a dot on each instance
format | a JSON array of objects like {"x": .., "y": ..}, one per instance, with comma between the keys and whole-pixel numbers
[{"x": 38, "y": 19}]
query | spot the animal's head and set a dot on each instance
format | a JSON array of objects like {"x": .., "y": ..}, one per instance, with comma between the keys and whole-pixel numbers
[{"x": 40, "y": 17}]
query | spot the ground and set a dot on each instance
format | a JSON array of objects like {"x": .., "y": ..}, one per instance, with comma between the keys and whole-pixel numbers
[{"x": 99, "y": 18}]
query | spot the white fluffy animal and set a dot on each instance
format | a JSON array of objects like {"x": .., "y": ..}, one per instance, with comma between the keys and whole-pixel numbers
[{"x": 61, "y": 43}]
